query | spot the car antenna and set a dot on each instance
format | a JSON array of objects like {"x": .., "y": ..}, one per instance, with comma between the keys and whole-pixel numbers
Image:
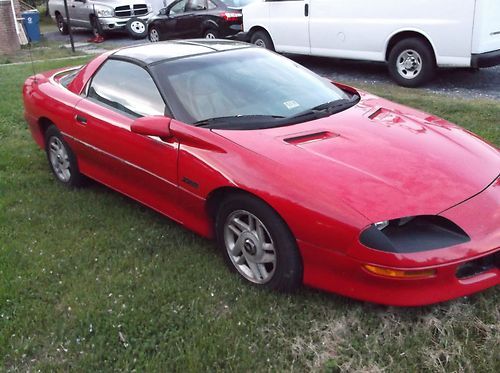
[{"x": 32, "y": 62}]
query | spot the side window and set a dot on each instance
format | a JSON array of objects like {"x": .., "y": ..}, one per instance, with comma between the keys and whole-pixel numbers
[
  {"x": 196, "y": 5},
  {"x": 126, "y": 87},
  {"x": 178, "y": 7}
]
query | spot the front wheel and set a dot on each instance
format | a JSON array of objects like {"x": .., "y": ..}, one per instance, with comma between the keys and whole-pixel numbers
[
  {"x": 154, "y": 35},
  {"x": 62, "y": 160},
  {"x": 411, "y": 62},
  {"x": 262, "y": 39},
  {"x": 256, "y": 243}
]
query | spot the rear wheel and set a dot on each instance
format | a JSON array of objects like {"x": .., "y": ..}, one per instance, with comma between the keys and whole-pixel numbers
[
  {"x": 61, "y": 25},
  {"x": 411, "y": 62},
  {"x": 211, "y": 34},
  {"x": 256, "y": 243},
  {"x": 62, "y": 160},
  {"x": 262, "y": 39}
]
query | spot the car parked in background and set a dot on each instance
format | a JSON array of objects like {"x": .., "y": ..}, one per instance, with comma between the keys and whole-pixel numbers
[
  {"x": 413, "y": 39},
  {"x": 209, "y": 19},
  {"x": 103, "y": 15}
]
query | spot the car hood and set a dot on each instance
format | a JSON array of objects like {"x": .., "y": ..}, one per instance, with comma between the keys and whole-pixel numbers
[{"x": 383, "y": 159}]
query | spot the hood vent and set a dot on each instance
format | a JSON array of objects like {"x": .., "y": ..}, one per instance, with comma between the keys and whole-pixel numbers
[{"x": 310, "y": 137}]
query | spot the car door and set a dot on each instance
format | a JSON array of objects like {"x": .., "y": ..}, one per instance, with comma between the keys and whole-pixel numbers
[
  {"x": 173, "y": 26},
  {"x": 78, "y": 13},
  {"x": 142, "y": 167},
  {"x": 196, "y": 11},
  {"x": 288, "y": 25}
]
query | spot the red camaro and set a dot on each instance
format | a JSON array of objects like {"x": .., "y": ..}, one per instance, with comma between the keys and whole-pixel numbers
[{"x": 301, "y": 180}]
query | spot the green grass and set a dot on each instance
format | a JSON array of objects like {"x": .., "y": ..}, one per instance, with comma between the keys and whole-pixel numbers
[
  {"x": 43, "y": 50},
  {"x": 90, "y": 280}
]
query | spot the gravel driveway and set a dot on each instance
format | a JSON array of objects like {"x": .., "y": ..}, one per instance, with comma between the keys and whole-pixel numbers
[
  {"x": 467, "y": 83},
  {"x": 484, "y": 83}
]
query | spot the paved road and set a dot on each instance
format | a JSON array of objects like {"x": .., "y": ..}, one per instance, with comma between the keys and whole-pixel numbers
[{"x": 467, "y": 83}]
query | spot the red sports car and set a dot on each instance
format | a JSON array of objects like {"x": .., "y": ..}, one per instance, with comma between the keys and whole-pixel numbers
[{"x": 300, "y": 180}]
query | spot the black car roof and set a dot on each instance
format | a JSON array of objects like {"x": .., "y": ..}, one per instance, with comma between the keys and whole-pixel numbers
[{"x": 157, "y": 52}]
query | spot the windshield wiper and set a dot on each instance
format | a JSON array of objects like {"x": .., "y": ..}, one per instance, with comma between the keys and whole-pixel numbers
[
  {"x": 328, "y": 108},
  {"x": 221, "y": 122}
]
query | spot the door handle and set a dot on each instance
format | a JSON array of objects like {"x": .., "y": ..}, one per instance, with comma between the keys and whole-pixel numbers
[
  {"x": 80, "y": 119},
  {"x": 72, "y": 6},
  {"x": 306, "y": 10}
]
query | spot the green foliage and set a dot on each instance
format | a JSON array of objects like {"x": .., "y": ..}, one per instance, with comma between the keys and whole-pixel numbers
[{"x": 90, "y": 280}]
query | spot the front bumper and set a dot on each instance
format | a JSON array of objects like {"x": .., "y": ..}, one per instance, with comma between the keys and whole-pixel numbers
[
  {"x": 487, "y": 59},
  {"x": 116, "y": 23},
  {"x": 460, "y": 270}
]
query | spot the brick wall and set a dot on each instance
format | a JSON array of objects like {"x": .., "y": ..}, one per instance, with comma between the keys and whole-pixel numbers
[{"x": 9, "y": 42}]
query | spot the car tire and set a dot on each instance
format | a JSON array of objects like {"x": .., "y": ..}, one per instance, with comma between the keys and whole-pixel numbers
[
  {"x": 137, "y": 28},
  {"x": 262, "y": 39},
  {"x": 412, "y": 62},
  {"x": 62, "y": 160},
  {"x": 154, "y": 35},
  {"x": 61, "y": 25},
  {"x": 211, "y": 33},
  {"x": 257, "y": 244}
]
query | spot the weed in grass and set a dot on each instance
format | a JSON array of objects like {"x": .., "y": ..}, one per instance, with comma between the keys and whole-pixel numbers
[{"x": 90, "y": 280}]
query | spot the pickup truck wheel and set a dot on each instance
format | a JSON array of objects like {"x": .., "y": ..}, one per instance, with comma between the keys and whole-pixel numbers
[
  {"x": 262, "y": 39},
  {"x": 154, "y": 35},
  {"x": 96, "y": 26},
  {"x": 137, "y": 28},
  {"x": 61, "y": 25},
  {"x": 411, "y": 62}
]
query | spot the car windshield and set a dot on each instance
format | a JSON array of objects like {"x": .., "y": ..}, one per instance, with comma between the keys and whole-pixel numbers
[
  {"x": 245, "y": 87},
  {"x": 237, "y": 3}
]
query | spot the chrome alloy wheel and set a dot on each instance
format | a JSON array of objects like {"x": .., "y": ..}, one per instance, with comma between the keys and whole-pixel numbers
[
  {"x": 154, "y": 36},
  {"x": 137, "y": 27},
  {"x": 409, "y": 64},
  {"x": 59, "y": 159},
  {"x": 250, "y": 246},
  {"x": 210, "y": 35}
]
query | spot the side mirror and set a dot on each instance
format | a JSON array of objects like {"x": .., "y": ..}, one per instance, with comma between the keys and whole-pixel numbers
[
  {"x": 163, "y": 12},
  {"x": 157, "y": 125}
]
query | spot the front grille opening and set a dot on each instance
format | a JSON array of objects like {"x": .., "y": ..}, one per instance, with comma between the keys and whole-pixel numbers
[{"x": 477, "y": 266}]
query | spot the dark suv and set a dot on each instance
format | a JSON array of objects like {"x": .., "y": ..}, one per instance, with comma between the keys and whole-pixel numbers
[{"x": 209, "y": 19}]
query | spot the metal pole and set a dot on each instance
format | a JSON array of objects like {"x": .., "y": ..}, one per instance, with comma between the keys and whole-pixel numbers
[{"x": 69, "y": 26}]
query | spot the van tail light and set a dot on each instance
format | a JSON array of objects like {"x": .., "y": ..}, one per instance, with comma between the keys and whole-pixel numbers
[{"x": 231, "y": 16}]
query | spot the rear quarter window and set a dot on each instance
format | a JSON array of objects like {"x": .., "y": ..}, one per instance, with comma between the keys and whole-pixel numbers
[{"x": 66, "y": 79}]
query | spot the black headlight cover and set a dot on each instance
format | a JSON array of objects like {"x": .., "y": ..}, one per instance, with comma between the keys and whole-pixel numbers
[{"x": 412, "y": 235}]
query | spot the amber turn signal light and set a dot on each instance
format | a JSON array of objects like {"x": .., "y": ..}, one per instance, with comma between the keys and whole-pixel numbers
[{"x": 397, "y": 273}]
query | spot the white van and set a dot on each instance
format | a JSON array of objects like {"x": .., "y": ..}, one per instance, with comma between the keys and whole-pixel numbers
[{"x": 413, "y": 38}]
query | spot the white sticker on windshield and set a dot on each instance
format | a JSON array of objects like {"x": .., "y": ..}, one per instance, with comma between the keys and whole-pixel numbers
[{"x": 292, "y": 104}]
